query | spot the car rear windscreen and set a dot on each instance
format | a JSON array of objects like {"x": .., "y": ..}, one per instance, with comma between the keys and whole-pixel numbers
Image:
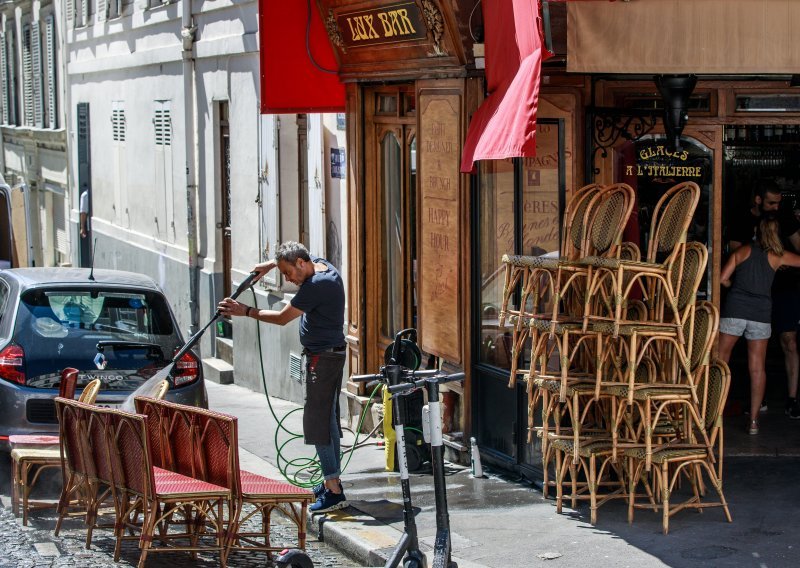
[{"x": 62, "y": 328}]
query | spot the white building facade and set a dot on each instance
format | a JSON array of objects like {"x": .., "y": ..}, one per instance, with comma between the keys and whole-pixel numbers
[
  {"x": 34, "y": 142},
  {"x": 188, "y": 182}
]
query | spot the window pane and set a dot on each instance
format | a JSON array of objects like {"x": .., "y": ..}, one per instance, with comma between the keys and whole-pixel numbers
[
  {"x": 496, "y": 186},
  {"x": 768, "y": 103},
  {"x": 651, "y": 168},
  {"x": 392, "y": 237}
]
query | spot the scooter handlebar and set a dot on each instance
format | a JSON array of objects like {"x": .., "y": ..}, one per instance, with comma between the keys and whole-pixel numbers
[
  {"x": 366, "y": 378},
  {"x": 441, "y": 379}
]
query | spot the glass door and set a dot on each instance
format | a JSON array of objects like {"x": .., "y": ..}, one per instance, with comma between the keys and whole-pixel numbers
[
  {"x": 518, "y": 208},
  {"x": 391, "y": 233}
]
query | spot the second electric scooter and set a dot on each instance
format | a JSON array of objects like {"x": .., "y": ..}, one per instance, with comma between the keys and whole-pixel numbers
[{"x": 401, "y": 381}]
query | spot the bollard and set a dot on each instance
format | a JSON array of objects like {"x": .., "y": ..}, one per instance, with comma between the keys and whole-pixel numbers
[{"x": 477, "y": 469}]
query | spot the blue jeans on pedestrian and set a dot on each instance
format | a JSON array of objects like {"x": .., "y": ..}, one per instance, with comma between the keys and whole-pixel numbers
[{"x": 329, "y": 454}]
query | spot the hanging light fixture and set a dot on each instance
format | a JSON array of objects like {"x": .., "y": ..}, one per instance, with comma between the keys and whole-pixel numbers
[{"x": 675, "y": 90}]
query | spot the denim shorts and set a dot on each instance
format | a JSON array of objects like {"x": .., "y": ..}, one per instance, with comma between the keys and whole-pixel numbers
[{"x": 750, "y": 329}]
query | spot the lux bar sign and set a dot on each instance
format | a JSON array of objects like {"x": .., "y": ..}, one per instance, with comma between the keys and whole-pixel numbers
[{"x": 389, "y": 24}]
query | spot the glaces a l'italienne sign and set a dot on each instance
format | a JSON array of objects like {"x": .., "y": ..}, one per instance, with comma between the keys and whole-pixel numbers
[{"x": 388, "y": 24}]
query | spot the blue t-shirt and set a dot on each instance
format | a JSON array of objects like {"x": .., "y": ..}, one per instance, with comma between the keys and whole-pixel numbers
[{"x": 321, "y": 299}]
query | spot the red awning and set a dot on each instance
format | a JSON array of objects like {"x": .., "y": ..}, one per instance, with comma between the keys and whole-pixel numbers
[
  {"x": 290, "y": 82},
  {"x": 505, "y": 124}
]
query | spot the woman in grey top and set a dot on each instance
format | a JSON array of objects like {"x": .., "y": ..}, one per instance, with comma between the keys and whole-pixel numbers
[{"x": 749, "y": 273}]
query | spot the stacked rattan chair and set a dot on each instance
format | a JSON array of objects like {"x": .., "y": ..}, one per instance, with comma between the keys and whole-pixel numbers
[{"x": 619, "y": 364}]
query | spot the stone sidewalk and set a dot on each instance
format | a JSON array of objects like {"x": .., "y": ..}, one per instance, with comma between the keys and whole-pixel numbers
[{"x": 503, "y": 522}]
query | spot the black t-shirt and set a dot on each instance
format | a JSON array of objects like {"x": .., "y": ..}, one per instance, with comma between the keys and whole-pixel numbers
[
  {"x": 321, "y": 299},
  {"x": 744, "y": 224},
  {"x": 743, "y": 229}
]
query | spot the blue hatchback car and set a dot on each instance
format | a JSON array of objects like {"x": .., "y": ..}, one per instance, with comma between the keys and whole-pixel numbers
[{"x": 52, "y": 318}]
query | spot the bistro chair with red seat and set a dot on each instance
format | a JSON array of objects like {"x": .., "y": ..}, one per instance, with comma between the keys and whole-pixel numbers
[
  {"x": 88, "y": 479},
  {"x": 33, "y": 454},
  {"x": 157, "y": 496}
]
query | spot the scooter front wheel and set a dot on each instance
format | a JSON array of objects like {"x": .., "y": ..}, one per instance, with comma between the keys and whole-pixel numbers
[
  {"x": 412, "y": 563},
  {"x": 293, "y": 559}
]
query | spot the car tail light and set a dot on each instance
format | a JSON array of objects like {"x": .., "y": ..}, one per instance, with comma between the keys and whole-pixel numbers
[
  {"x": 186, "y": 370},
  {"x": 12, "y": 362}
]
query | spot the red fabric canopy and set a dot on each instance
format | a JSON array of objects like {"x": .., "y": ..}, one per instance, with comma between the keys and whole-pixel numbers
[
  {"x": 505, "y": 124},
  {"x": 290, "y": 82}
]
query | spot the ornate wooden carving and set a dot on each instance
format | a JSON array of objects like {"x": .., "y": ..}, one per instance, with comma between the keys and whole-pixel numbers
[
  {"x": 334, "y": 34},
  {"x": 435, "y": 23}
]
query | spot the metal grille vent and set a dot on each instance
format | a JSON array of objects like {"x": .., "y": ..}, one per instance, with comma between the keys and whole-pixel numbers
[
  {"x": 295, "y": 367},
  {"x": 118, "y": 124},
  {"x": 163, "y": 126}
]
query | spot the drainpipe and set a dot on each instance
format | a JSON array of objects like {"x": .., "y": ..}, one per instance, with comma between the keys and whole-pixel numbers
[{"x": 188, "y": 30}]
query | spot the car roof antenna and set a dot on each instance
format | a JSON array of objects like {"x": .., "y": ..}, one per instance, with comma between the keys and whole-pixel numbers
[{"x": 94, "y": 249}]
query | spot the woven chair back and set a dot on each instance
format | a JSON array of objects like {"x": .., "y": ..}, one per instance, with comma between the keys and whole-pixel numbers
[
  {"x": 89, "y": 394},
  {"x": 157, "y": 431},
  {"x": 706, "y": 325},
  {"x": 606, "y": 217},
  {"x": 719, "y": 380},
  {"x": 181, "y": 440},
  {"x": 629, "y": 251},
  {"x": 73, "y": 435},
  {"x": 130, "y": 454},
  {"x": 199, "y": 443},
  {"x": 218, "y": 445},
  {"x": 162, "y": 390},
  {"x": 69, "y": 379},
  {"x": 671, "y": 218},
  {"x": 98, "y": 425},
  {"x": 573, "y": 235},
  {"x": 687, "y": 273}
]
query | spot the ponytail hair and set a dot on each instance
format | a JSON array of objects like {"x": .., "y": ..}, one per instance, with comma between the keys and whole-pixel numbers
[{"x": 768, "y": 235}]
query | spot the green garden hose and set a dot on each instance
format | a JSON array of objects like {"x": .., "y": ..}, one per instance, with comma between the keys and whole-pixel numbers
[{"x": 304, "y": 471}]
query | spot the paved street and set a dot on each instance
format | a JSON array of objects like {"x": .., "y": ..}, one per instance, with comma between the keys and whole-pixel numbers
[{"x": 35, "y": 545}]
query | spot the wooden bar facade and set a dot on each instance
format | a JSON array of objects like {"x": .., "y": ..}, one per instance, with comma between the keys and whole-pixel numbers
[{"x": 412, "y": 86}]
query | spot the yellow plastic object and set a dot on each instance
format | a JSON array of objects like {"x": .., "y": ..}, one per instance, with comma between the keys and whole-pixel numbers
[{"x": 389, "y": 436}]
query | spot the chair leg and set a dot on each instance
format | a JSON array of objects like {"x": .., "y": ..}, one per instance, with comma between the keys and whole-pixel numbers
[
  {"x": 26, "y": 490},
  {"x": 593, "y": 489},
  {"x": 665, "y": 490},
  {"x": 15, "y": 481}
]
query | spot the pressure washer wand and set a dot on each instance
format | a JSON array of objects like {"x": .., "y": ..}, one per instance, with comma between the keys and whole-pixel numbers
[{"x": 246, "y": 283}]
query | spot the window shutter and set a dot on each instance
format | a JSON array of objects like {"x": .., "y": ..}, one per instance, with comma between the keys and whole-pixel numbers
[
  {"x": 84, "y": 12},
  {"x": 4, "y": 72},
  {"x": 71, "y": 12},
  {"x": 60, "y": 225},
  {"x": 27, "y": 77},
  {"x": 102, "y": 9},
  {"x": 270, "y": 196},
  {"x": 52, "y": 84},
  {"x": 36, "y": 64},
  {"x": 316, "y": 186},
  {"x": 13, "y": 109}
]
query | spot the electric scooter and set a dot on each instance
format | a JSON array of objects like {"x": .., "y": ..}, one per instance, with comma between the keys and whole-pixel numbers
[{"x": 400, "y": 381}]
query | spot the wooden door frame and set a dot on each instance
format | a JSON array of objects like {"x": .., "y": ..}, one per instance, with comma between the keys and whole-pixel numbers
[{"x": 376, "y": 127}]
